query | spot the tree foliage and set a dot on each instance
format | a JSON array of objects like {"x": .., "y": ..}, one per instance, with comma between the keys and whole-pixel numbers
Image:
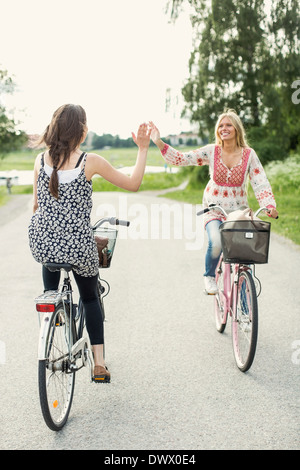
[
  {"x": 109, "y": 140},
  {"x": 245, "y": 57},
  {"x": 10, "y": 137}
]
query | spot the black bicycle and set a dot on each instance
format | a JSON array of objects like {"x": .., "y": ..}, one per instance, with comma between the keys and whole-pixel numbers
[{"x": 64, "y": 346}]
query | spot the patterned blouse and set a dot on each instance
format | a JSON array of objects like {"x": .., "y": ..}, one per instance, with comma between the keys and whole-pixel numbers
[
  {"x": 60, "y": 230},
  {"x": 226, "y": 187}
]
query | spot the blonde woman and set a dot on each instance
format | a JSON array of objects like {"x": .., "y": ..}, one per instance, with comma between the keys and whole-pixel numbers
[{"x": 230, "y": 161}]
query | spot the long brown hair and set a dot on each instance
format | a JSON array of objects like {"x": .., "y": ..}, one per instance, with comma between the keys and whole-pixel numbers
[{"x": 62, "y": 136}]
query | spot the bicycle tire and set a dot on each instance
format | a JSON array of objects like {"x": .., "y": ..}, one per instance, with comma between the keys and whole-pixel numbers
[
  {"x": 219, "y": 304},
  {"x": 245, "y": 322},
  {"x": 56, "y": 381}
]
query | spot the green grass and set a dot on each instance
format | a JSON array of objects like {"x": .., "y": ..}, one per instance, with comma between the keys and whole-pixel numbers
[
  {"x": 127, "y": 157},
  {"x": 285, "y": 181},
  {"x": 21, "y": 160},
  {"x": 4, "y": 197},
  {"x": 24, "y": 159},
  {"x": 284, "y": 178},
  {"x": 151, "y": 182}
]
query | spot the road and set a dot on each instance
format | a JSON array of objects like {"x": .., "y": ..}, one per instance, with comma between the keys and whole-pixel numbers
[{"x": 174, "y": 380}]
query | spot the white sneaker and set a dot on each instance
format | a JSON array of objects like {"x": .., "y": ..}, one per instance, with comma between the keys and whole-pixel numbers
[{"x": 210, "y": 285}]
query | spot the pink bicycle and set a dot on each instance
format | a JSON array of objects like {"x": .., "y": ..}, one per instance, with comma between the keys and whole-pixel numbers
[{"x": 244, "y": 244}]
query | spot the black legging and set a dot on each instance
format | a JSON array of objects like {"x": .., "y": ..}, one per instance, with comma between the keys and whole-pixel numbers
[{"x": 88, "y": 292}]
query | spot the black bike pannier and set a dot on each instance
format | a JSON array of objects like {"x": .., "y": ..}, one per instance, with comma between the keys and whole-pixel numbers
[{"x": 245, "y": 241}]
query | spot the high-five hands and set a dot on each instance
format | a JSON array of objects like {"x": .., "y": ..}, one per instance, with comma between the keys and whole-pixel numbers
[{"x": 142, "y": 139}]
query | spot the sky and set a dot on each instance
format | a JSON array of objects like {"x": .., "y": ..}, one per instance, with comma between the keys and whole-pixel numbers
[{"x": 115, "y": 58}]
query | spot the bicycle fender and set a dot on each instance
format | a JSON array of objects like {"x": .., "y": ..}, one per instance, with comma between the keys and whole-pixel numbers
[{"x": 44, "y": 333}]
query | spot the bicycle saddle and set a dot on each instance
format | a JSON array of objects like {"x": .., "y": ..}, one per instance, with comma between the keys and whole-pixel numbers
[{"x": 58, "y": 266}]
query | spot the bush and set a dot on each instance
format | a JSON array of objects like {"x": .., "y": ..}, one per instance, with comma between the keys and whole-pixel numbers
[
  {"x": 267, "y": 147},
  {"x": 285, "y": 174},
  {"x": 197, "y": 175}
]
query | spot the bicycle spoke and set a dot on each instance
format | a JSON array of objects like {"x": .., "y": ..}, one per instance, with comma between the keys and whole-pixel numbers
[{"x": 56, "y": 381}]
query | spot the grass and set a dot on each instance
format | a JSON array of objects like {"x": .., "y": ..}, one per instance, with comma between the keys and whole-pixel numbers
[
  {"x": 21, "y": 160},
  {"x": 24, "y": 159},
  {"x": 284, "y": 178},
  {"x": 285, "y": 181},
  {"x": 151, "y": 182}
]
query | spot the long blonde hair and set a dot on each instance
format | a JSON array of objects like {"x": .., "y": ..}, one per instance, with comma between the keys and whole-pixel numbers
[{"x": 237, "y": 124}]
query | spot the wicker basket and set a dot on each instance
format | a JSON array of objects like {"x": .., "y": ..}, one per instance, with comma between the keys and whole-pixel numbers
[{"x": 107, "y": 252}]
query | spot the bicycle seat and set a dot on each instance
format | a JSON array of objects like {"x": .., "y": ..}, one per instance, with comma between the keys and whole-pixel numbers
[{"x": 58, "y": 266}]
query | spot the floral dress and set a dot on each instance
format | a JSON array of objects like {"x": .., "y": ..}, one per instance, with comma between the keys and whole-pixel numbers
[
  {"x": 226, "y": 187},
  {"x": 60, "y": 230}
]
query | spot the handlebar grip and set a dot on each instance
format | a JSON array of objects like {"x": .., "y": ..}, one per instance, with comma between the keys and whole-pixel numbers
[
  {"x": 122, "y": 222},
  {"x": 203, "y": 211}
]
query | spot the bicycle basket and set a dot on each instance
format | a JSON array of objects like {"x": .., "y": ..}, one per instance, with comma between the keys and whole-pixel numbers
[
  {"x": 245, "y": 241},
  {"x": 105, "y": 254}
]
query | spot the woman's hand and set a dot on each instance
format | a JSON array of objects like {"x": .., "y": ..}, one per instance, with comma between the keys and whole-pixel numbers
[
  {"x": 155, "y": 134},
  {"x": 142, "y": 140},
  {"x": 95, "y": 164},
  {"x": 273, "y": 213}
]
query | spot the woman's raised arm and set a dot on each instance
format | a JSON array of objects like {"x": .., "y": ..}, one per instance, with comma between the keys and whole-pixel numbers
[{"x": 96, "y": 164}]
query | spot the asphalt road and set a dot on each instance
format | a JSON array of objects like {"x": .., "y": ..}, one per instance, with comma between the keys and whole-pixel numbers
[{"x": 174, "y": 384}]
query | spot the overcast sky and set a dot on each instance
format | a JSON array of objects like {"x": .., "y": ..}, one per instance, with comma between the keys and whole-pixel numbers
[{"x": 116, "y": 58}]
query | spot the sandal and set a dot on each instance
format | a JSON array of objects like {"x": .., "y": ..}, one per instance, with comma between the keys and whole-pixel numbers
[{"x": 101, "y": 374}]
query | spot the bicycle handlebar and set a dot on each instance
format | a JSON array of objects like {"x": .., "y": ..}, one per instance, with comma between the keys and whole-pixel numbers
[
  {"x": 210, "y": 207},
  {"x": 215, "y": 206},
  {"x": 111, "y": 221}
]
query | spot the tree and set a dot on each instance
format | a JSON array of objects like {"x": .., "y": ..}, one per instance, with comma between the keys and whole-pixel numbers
[
  {"x": 246, "y": 58},
  {"x": 10, "y": 137},
  {"x": 285, "y": 28}
]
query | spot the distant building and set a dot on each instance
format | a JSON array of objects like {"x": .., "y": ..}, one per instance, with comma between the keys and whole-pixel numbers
[{"x": 184, "y": 138}]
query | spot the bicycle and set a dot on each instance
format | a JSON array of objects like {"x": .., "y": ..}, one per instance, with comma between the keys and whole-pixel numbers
[
  {"x": 237, "y": 295},
  {"x": 64, "y": 347}
]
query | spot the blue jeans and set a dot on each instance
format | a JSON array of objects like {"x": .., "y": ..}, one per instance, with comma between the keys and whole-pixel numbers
[{"x": 214, "y": 247}]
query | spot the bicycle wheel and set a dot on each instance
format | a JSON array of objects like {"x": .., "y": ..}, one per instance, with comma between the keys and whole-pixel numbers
[
  {"x": 56, "y": 381},
  {"x": 245, "y": 322},
  {"x": 220, "y": 301}
]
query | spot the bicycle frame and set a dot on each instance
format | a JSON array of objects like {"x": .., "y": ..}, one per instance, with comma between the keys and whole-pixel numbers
[
  {"x": 64, "y": 345},
  {"x": 47, "y": 303},
  {"x": 230, "y": 282},
  {"x": 236, "y": 295}
]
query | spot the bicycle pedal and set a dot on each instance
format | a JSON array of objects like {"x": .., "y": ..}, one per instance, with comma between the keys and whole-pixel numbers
[{"x": 98, "y": 379}]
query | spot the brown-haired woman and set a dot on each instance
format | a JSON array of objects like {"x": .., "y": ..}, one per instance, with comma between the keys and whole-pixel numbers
[{"x": 60, "y": 228}]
